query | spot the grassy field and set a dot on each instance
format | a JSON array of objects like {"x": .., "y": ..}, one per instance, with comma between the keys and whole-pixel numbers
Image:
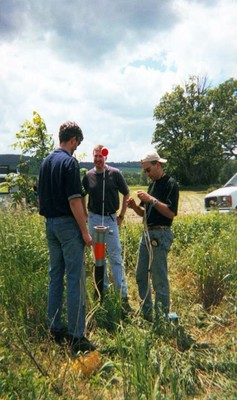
[
  {"x": 190, "y": 202},
  {"x": 195, "y": 359}
]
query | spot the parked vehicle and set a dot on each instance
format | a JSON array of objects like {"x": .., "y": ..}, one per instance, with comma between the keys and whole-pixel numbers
[{"x": 223, "y": 199}]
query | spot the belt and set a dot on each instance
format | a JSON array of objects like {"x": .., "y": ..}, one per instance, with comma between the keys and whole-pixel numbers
[
  {"x": 108, "y": 214},
  {"x": 153, "y": 227},
  {"x": 60, "y": 216}
]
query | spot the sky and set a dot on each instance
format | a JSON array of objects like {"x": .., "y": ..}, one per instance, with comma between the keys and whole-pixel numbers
[{"x": 106, "y": 64}]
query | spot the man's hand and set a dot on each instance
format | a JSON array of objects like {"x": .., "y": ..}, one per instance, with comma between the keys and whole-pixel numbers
[
  {"x": 144, "y": 196},
  {"x": 87, "y": 239},
  {"x": 120, "y": 219},
  {"x": 131, "y": 203}
]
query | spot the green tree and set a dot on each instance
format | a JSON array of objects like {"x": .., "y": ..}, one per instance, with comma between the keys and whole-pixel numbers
[
  {"x": 228, "y": 170},
  {"x": 189, "y": 130},
  {"x": 33, "y": 140},
  {"x": 224, "y": 109},
  {"x": 143, "y": 179}
]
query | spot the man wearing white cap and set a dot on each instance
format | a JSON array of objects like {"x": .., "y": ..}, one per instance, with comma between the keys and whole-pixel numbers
[{"x": 158, "y": 206}]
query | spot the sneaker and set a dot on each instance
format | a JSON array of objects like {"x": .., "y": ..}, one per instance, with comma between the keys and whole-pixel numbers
[
  {"x": 82, "y": 344},
  {"x": 86, "y": 345},
  {"x": 57, "y": 336}
]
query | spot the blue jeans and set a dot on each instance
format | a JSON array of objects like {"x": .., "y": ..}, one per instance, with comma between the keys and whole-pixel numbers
[
  {"x": 113, "y": 249},
  {"x": 161, "y": 240},
  {"x": 66, "y": 257}
]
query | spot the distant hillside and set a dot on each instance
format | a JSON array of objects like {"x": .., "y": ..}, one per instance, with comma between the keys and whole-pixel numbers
[
  {"x": 13, "y": 160},
  {"x": 123, "y": 166}
]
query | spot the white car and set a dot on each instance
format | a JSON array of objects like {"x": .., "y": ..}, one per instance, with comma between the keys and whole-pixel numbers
[{"x": 223, "y": 199}]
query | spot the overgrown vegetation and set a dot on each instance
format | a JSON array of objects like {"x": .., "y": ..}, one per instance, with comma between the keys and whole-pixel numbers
[
  {"x": 34, "y": 140},
  {"x": 195, "y": 359}
]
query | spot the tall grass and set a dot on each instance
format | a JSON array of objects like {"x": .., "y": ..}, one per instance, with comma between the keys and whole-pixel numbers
[
  {"x": 194, "y": 359},
  {"x": 210, "y": 252}
]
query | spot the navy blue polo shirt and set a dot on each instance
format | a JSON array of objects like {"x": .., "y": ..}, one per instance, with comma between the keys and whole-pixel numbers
[{"x": 59, "y": 182}]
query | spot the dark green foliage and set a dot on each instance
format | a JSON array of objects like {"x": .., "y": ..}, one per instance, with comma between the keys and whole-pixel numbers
[
  {"x": 141, "y": 360},
  {"x": 228, "y": 170},
  {"x": 196, "y": 130},
  {"x": 109, "y": 314}
]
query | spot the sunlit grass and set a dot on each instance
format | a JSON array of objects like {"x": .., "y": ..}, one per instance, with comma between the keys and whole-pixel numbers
[
  {"x": 190, "y": 202},
  {"x": 196, "y": 359}
]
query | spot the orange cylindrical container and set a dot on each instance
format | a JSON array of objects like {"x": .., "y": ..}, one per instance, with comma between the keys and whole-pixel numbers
[{"x": 99, "y": 245}]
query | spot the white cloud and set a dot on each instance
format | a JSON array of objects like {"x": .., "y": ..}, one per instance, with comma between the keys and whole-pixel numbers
[{"x": 107, "y": 67}]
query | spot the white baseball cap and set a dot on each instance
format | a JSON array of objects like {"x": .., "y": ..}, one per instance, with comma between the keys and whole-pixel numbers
[{"x": 153, "y": 157}]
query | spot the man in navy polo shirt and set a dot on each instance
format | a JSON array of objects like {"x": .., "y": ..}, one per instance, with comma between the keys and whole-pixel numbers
[{"x": 61, "y": 203}]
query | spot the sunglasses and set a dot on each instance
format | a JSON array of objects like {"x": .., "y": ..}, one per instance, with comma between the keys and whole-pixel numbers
[{"x": 147, "y": 170}]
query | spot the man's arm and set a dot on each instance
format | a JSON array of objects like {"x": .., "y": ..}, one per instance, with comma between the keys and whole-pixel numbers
[
  {"x": 138, "y": 209},
  {"x": 84, "y": 206},
  {"x": 123, "y": 209},
  {"x": 159, "y": 206},
  {"x": 163, "y": 209},
  {"x": 78, "y": 211},
  {"x": 84, "y": 194}
]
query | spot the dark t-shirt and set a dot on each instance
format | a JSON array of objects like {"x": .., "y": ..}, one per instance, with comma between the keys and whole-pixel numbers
[
  {"x": 166, "y": 190},
  {"x": 113, "y": 184},
  {"x": 59, "y": 182}
]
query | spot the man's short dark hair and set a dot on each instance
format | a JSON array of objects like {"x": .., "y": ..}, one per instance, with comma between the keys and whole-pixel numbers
[{"x": 69, "y": 130}]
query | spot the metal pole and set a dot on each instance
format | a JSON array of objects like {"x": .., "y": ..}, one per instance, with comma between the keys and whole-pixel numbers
[
  {"x": 103, "y": 199},
  {"x": 99, "y": 251}
]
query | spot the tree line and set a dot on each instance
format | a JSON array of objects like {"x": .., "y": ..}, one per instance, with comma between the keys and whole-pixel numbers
[{"x": 196, "y": 130}]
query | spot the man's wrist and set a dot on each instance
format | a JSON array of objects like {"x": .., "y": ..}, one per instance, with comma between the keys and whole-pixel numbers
[{"x": 154, "y": 201}]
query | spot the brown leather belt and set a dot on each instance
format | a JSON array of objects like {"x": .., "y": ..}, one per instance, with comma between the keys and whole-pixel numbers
[{"x": 153, "y": 227}]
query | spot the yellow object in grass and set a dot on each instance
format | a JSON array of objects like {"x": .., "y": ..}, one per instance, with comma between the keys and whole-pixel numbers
[{"x": 86, "y": 364}]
